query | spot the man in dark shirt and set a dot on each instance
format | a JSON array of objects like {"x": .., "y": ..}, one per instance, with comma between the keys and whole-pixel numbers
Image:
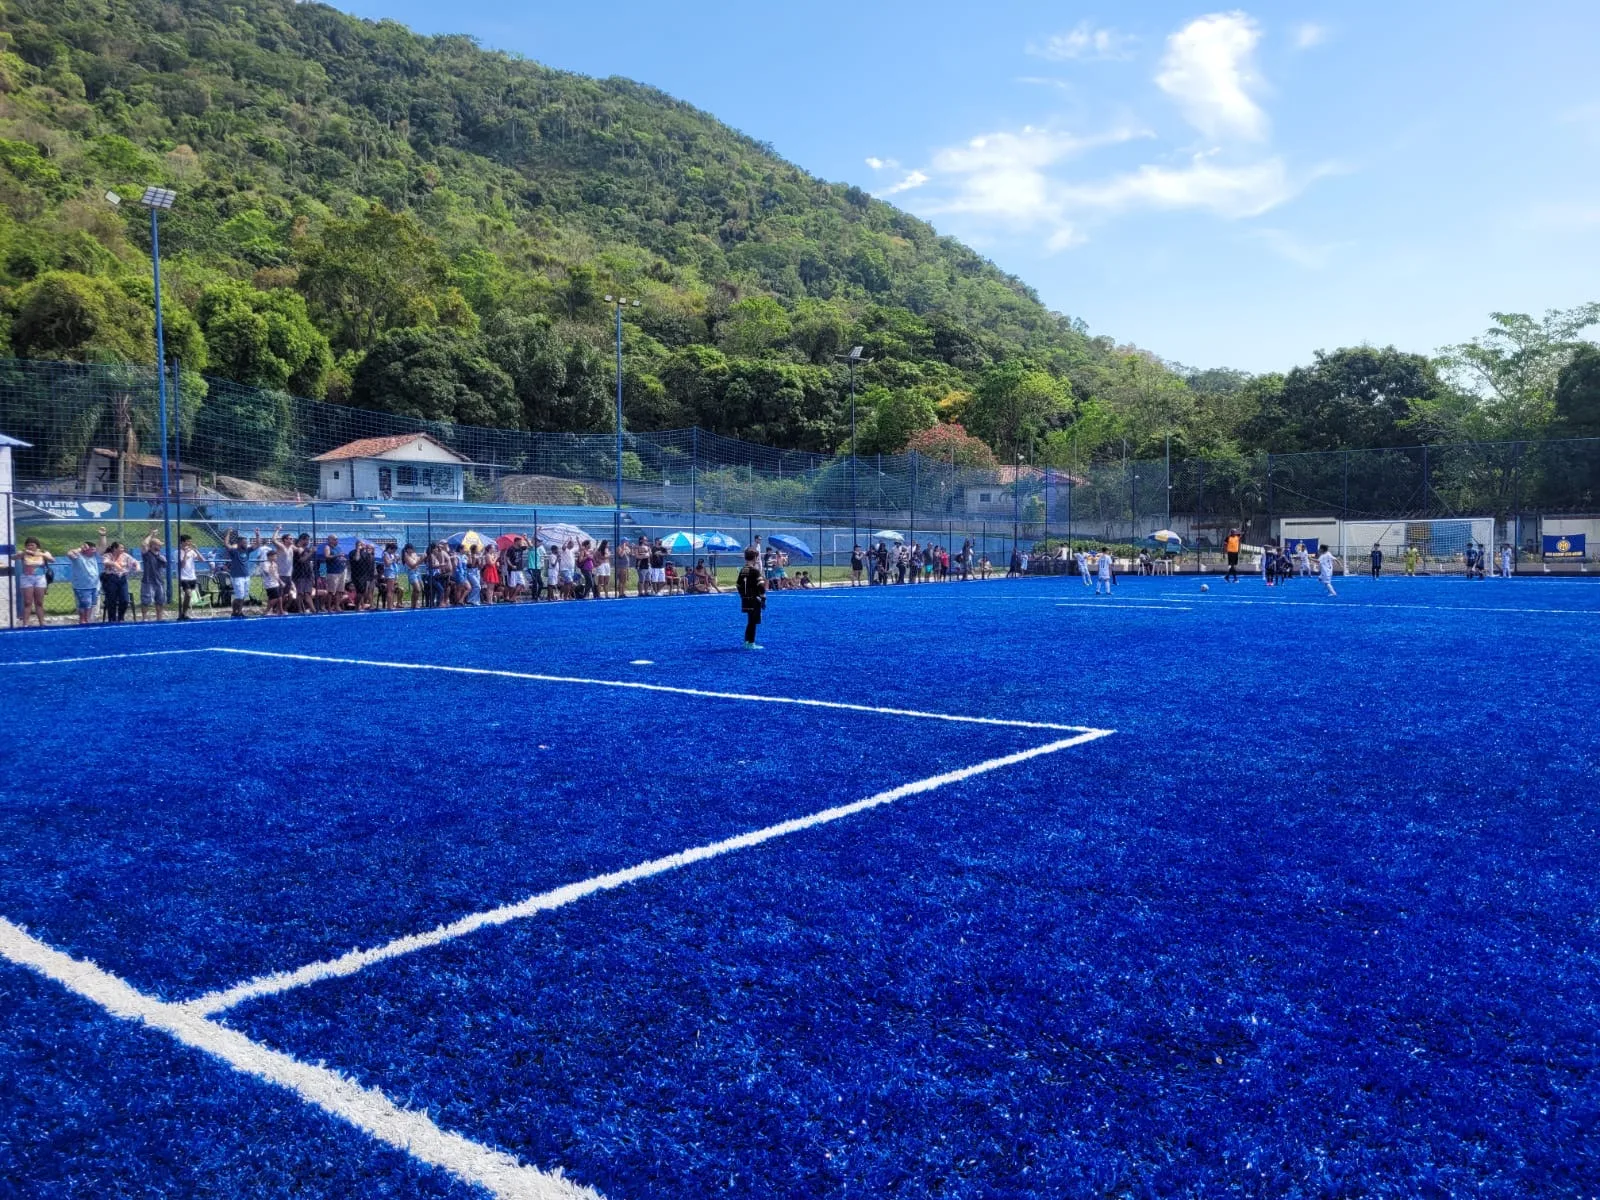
[
  {"x": 334, "y": 567},
  {"x": 239, "y": 567},
  {"x": 752, "y": 589}
]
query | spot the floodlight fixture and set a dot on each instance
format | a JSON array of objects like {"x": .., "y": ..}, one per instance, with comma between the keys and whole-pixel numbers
[
  {"x": 158, "y": 197},
  {"x": 113, "y": 199}
]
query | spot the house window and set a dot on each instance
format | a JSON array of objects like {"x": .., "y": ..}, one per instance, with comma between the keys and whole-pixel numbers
[
  {"x": 336, "y": 474},
  {"x": 985, "y": 497},
  {"x": 405, "y": 477}
]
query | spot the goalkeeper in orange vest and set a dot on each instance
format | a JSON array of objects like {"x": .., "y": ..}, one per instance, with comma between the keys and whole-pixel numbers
[{"x": 1231, "y": 547}]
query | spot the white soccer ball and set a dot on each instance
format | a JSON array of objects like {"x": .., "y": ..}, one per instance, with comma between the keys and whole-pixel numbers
[{"x": 1205, "y": 587}]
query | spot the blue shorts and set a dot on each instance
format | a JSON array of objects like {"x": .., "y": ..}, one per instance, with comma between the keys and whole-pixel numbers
[{"x": 87, "y": 597}]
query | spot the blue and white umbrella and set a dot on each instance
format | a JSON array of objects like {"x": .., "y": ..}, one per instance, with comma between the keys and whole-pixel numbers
[
  {"x": 721, "y": 543},
  {"x": 681, "y": 543}
]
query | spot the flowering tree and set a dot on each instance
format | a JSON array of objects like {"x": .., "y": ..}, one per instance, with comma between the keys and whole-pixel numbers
[{"x": 951, "y": 443}]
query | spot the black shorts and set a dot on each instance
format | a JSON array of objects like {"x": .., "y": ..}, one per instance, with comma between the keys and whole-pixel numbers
[{"x": 1233, "y": 558}]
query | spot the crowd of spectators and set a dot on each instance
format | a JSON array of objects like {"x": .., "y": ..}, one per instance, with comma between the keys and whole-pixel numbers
[
  {"x": 298, "y": 575},
  {"x": 913, "y": 562}
]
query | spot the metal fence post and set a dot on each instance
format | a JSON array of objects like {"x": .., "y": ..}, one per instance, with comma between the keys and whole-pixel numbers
[
  {"x": 911, "y": 532},
  {"x": 177, "y": 473}
]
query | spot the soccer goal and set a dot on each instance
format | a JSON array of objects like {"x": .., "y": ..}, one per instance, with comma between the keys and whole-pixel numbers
[{"x": 1437, "y": 545}]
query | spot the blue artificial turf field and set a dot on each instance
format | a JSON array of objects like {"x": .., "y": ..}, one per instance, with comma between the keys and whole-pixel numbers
[{"x": 1318, "y": 919}]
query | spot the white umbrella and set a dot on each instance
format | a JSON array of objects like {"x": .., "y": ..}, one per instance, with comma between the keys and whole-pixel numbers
[
  {"x": 560, "y": 533},
  {"x": 888, "y": 535}
]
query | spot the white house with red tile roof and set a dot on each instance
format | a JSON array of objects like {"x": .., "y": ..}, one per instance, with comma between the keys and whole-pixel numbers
[{"x": 406, "y": 466}]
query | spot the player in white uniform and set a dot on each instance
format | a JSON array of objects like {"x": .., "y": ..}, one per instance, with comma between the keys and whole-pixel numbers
[
  {"x": 1083, "y": 568},
  {"x": 1325, "y": 565},
  {"x": 1505, "y": 562},
  {"x": 1103, "y": 568}
]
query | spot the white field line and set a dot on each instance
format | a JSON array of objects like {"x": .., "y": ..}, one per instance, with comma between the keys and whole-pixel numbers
[
  {"x": 359, "y": 960},
  {"x": 1332, "y": 602},
  {"x": 52, "y": 662},
  {"x": 1111, "y": 607},
  {"x": 634, "y": 685},
  {"x": 366, "y": 1108}
]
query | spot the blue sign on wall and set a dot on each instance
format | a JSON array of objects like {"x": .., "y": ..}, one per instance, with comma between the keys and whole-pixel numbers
[{"x": 1565, "y": 545}]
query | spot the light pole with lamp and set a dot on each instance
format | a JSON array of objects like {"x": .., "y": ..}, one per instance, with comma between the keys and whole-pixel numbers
[
  {"x": 619, "y": 303},
  {"x": 855, "y": 360},
  {"x": 158, "y": 200}
]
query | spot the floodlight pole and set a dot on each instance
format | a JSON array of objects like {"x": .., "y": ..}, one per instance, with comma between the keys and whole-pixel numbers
[
  {"x": 853, "y": 358},
  {"x": 161, "y": 391},
  {"x": 619, "y": 303}
]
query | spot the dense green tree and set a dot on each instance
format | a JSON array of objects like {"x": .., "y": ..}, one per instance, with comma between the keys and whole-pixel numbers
[
  {"x": 1577, "y": 395},
  {"x": 435, "y": 375},
  {"x": 753, "y": 326},
  {"x": 1355, "y": 398},
  {"x": 892, "y": 418},
  {"x": 378, "y": 272},
  {"x": 265, "y": 339},
  {"x": 62, "y": 314},
  {"x": 1506, "y": 378},
  {"x": 1013, "y": 405}
]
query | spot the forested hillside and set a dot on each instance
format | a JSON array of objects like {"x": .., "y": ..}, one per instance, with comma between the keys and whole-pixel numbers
[{"x": 419, "y": 225}]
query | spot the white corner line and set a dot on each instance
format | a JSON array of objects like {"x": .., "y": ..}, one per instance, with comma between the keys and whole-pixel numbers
[
  {"x": 637, "y": 686},
  {"x": 359, "y": 960},
  {"x": 368, "y": 1109}
]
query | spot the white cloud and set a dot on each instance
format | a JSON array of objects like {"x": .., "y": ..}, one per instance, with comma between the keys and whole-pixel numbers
[
  {"x": 914, "y": 180},
  {"x": 1309, "y": 34},
  {"x": 1006, "y": 175},
  {"x": 1209, "y": 69},
  {"x": 1083, "y": 41},
  {"x": 1233, "y": 192},
  {"x": 882, "y": 164}
]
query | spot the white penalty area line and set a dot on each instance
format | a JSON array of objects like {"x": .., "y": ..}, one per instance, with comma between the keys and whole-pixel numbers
[
  {"x": 634, "y": 685},
  {"x": 359, "y": 960},
  {"x": 628, "y": 684},
  {"x": 368, "y": 1109}
]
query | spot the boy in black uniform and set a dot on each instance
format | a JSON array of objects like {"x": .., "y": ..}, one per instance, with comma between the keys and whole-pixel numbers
[{"x": 752, "y": 589}]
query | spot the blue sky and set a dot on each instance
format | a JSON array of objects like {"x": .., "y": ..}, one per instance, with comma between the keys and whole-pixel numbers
[{"x": 1232, "y": 187}]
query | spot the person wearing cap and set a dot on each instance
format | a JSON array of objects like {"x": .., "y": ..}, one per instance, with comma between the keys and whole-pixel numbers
[
  {"x": 752, "y": 589},
  {"x": 85, "y": 562}
]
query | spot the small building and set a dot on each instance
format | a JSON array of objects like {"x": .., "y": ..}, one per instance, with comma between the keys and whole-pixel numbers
[
  {"x": 407, "y": 466},
  {"x": 99, "y": 471},
  {"x": 998, "y": 500}
]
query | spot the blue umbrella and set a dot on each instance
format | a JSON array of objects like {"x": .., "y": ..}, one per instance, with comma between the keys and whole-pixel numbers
[
  {"x": 721, "y": 543},
  {"x": 791, "y": 546}
]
